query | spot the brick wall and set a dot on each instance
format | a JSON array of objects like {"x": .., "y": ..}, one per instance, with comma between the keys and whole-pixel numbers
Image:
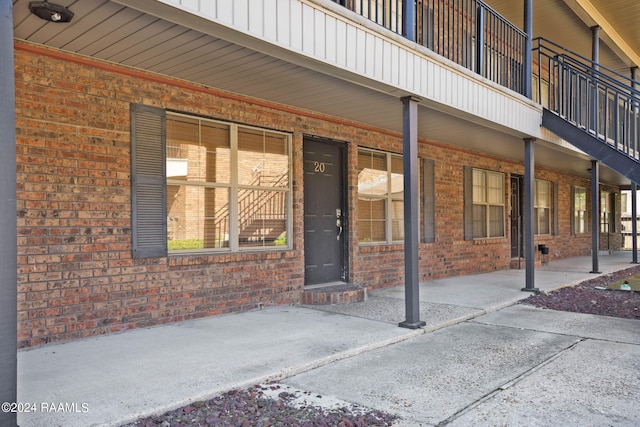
[
  {"x": 450, "y": 255},
  {"x": 76, "y": 277}
]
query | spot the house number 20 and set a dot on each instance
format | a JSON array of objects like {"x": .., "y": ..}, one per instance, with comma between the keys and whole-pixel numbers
[{"x": 318, "y": 167}]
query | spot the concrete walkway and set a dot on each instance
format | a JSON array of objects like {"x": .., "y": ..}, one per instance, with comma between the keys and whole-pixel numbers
[{"x": 480, "y": 361}]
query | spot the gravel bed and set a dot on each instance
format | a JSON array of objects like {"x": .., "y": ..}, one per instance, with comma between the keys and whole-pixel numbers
[
  {"x": 268, "y": 405},
  {"x": 589, "y": 297}
]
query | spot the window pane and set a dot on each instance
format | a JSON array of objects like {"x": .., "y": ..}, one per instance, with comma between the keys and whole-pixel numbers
[
  {"x": 580, "y": 210},
  {"x": 496, "y": 221},
  {"x": 495, "y": 188},
  {"x": 397, "y": 178},
  {"x": 580, "y": 199},
  {"x": 262, "y": 218},
  {"x": 397, "y": 220},
  {"x": 263, "y": 158},
  {"x": 197, "y": 150},
  {"x": 581, "y": 223},
  {"x": 542, "y": 194},
  {"x": 479, "y": 221},
  {"x": 216, "y": 152},
  {"x": 607, "y": 225},
  {"x": 372, "y": 173},
  {"x": 371, "y": 220},
  {"x": 198, "y": 217},
  {"x": 542, "y": 210},
  {"x": 543, "y": 223},
  {"x": 479, "y": 186}
]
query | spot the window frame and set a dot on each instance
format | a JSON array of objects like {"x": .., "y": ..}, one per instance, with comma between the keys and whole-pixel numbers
[
  {"x": 537, "y": 206},
  {"x": 149, "y": 185},
  {"x": 234, "y": 187},
  {"x": 389, "y": 199},
  {"x": 472, "y": 203},
  {"x": 607, "y": 212}
]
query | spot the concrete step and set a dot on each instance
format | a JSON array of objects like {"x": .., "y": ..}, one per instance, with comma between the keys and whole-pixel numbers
[{"x": 341, "y": 293}]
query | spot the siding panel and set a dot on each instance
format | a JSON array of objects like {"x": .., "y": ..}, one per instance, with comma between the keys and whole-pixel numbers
[
  {"x": 225, "y": 11},
  {"x": 335, "y": 37},
  {"x": 283, "y": 16},
  {"x": 256, "y": 18},
  {"x": 308, "y": 29}
]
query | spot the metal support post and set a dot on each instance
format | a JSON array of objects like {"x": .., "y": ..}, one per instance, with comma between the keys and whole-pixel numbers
[
  {"x": 529, "y": 245},
  {"x": 595, "y": 46},
  {"x": 595, "y": 215},
  {"x": 411, "y": 223},
  {"x": 635, "y": 115},
  {"x": 634, "y": 222},
  {"x": 528, "y": 48},
  {"x": 8, "y": 249},
  {"x": 634, "y": 186},
  {"x": 595, "y": 58},
  {"x": 480, "y": 40},
  {"x": 409, "y": 19}
]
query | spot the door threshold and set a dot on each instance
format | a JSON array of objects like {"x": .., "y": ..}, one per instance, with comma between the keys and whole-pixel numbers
[{"x": 333, "y": 293}]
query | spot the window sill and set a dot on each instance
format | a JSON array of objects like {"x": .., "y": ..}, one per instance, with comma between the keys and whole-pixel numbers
[
  {"x": 490, "y": 240},
  {"x": 205, "y": 257}
]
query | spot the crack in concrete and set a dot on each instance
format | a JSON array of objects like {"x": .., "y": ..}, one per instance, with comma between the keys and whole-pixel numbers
[{"x": 509, "y": 384}]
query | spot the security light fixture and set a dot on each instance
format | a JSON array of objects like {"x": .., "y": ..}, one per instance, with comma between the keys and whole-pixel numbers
[{"x": 50, "y": 11}]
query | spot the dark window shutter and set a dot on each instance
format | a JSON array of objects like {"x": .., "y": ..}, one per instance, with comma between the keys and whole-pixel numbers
[
  {"x": 554, "y": 206},
  {"x": 148, "y": 192},
  {"x": 573, "y": 210},
  {"x": 428, "y": 173},
  {"x": 613, "y": 223},
  {"x": 468, "y": 203}
]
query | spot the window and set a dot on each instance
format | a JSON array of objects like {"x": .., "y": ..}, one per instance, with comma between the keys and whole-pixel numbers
[
  {"x": 580, "y": 219},
  {"x": 607, "y": 210},
  {"x": 542, "y": 207},
  {"x": 625, "y": 206},
  {"x": 488, "y": 204},
  {"x": 216, "y": 186},
  {"x": 380, "y": 197}
]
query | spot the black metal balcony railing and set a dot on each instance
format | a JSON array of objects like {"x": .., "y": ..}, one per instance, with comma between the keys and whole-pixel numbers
[
  {"x": 467, "y": 32},
  {"x": 592, "y": 97}
]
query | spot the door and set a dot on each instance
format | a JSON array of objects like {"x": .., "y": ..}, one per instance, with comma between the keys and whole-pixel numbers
[
  {"x": 516, "y": 216},
  {"x": 324, "y": 212}
]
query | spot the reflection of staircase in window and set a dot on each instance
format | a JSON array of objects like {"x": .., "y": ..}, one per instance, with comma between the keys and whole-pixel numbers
[
  {"x": 590, "y": 106},
  {"x": 262, "y": 212}
]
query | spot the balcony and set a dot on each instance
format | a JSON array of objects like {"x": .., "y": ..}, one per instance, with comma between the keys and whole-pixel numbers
[{"x": 467, "y": 32}]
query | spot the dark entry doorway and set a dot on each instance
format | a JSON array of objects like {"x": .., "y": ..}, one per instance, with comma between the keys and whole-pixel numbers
[
  {"x": 517, "y": 235},
  {"x": 324, "y": 212}
]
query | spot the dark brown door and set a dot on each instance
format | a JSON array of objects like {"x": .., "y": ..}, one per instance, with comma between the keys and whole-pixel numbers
[{"x": 324, "y": 214}]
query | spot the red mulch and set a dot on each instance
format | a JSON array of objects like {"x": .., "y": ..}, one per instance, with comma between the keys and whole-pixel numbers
[{"x": 585, "y": 298}]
